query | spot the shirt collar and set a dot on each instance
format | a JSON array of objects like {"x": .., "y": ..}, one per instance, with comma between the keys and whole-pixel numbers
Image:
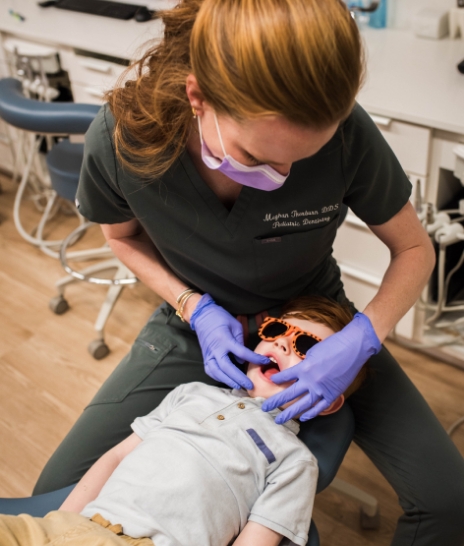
[{"x": 292, "y": 425}]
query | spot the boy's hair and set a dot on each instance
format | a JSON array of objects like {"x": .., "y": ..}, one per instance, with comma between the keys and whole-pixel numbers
[{"x": 330, "y": 313}]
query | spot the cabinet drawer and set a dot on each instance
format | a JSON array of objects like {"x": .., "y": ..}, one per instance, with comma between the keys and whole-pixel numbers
[
  {"x": 361, "y": 289},
  {"x": 91, "y": 72},
  {"x": 411, "y": 143},
  {"x": 356, "y": 246},
  {"x": 358, "y": 289},
  {"x": 87, "y": 93}
]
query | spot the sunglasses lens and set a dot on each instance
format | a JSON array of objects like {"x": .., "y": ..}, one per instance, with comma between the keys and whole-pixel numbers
[
  {"x": 303, "y": 343},
  {"x": 274, "y": 329}
]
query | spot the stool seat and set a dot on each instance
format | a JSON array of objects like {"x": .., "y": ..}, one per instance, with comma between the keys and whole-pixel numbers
[{"x": 64, "y": 163}]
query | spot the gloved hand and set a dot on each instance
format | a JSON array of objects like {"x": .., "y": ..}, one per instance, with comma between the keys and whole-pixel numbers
[
  {"x": 219, "y": 333},
  {"x": 327, "y": 371}
]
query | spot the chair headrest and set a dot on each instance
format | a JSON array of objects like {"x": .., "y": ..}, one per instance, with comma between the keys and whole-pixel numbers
[{"x": 43, "y": 117}]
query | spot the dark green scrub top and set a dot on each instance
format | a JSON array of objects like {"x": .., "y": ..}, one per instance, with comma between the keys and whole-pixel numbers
[{"x": 271, "y": 246}]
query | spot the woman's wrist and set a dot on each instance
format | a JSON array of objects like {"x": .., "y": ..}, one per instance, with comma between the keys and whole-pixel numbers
[{"x": 189, "y": 306}]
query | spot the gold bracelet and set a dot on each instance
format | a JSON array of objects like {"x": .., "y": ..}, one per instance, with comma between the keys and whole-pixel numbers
[
  {"x": 183, "y": 301},
  {"x": 180, "y": 310},
  {"x": 182, "y": 298},
  {"x": 183, "y": 293}
]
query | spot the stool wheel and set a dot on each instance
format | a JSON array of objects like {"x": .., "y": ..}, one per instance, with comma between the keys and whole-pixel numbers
[
  {"x": 98, "y": 349},
  {"x": 368, "y": 521},
  {"x": 58, "y": 305}
]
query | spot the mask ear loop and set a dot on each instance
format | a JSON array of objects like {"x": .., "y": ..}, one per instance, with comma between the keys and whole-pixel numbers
[
  {"x": 219, "y": 134},
  {"x": 199, "y": 129}
]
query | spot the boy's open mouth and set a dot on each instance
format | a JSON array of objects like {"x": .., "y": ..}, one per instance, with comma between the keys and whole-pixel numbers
[{"x": 270, "y": 369}]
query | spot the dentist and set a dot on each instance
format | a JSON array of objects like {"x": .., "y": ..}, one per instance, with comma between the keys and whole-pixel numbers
[{"x": 220, "y": 173}]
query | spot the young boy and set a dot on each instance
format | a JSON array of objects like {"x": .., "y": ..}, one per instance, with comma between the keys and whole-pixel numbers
[{"x": 207, "y": 467}]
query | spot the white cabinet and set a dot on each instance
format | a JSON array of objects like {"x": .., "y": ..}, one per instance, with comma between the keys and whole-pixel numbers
[
  {"x": 411, "y": 143},
  {"x": 363, "y": 259},
  {"x": 358, "y": 248},
  {"x": 90, "y": 77}
]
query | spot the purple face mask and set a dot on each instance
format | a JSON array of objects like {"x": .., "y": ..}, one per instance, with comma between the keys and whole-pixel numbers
[{"x": 260, "y": 177}]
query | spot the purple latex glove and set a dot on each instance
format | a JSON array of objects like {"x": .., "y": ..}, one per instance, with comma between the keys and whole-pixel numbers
[
  {"x": 219, "y": 334},
  {"x": 327, "y": 371}
]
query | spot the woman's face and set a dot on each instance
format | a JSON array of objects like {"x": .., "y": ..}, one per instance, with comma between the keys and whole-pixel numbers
[
  {"x": 272, "y": 140},
  {"x": 281, "y": 351}
]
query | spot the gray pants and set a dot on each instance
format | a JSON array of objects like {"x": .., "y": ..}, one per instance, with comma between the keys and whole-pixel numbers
[{"x": 394, "y": 426}]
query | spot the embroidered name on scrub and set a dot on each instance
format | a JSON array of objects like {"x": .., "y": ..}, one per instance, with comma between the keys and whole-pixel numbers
[{"x": 277, "y": 218}]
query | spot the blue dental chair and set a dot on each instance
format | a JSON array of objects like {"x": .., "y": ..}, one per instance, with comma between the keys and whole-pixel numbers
[{"x": 329, "y": 438}]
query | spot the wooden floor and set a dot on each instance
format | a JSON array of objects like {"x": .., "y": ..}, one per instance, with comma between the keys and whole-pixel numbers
[{"x": 47, "y": 377}]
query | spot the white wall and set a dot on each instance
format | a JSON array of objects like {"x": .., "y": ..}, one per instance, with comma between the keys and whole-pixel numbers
[{"x": 401, "y": 12}]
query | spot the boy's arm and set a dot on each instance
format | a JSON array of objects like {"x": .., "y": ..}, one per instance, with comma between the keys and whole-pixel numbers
[
  {"x": 255, "y": 534},
  {"x": 285, "y": 506},
  {"x": 95, "y": 478}
]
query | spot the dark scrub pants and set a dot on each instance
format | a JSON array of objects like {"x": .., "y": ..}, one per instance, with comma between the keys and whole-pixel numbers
[
  {"x": 271, "y": 246},
  {"x": 394, "y": 426}
]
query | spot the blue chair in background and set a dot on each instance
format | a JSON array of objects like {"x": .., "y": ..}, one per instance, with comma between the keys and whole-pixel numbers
[
  {"x": 42, "y": 121},
  {"x": 328, "y": 437},
  {"x": 53, "y": 122}
]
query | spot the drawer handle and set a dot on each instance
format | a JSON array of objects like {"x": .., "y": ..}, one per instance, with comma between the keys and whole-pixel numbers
[
  {"x": 360, "y": 275},
  {"x": 94, "y": 92},
  {"x": 381, "y": 120},
  {"x": 459, "y": 151},
  {"x": 104, "y": 68}
]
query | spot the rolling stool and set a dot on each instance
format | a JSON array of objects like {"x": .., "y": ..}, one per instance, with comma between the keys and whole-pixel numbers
[
  {"x": 64, "y": 162},
  {"x": 328, "y": 437}
]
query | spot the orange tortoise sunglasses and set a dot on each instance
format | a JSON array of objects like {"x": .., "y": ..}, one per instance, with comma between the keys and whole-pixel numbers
[{"x": 273, "y": 328}]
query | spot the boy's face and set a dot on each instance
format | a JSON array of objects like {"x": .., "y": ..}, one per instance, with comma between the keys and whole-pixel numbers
[{"x": 280, "y": 350}]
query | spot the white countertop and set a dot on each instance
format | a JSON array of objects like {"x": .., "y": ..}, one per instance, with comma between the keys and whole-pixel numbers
[
  {"x": 414, "y": 79},
  {"x": 408, "y": 78},
  {"x": 80, "y": 30}
]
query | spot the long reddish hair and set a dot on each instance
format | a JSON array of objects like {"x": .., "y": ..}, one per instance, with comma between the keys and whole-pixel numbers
[{"x": 300, "y": 59}]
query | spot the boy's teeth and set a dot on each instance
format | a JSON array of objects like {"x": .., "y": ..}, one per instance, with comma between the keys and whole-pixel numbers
[{"x": 272, "y": 359}]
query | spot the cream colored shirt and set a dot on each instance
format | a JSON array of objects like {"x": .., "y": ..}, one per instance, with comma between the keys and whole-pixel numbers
[{"x": 211, "y": 460}]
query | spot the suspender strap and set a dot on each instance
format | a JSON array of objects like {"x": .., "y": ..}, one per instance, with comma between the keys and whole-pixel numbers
[
  {"x": 260, "y": 318},
  {"x": 243, "y": 319}
]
